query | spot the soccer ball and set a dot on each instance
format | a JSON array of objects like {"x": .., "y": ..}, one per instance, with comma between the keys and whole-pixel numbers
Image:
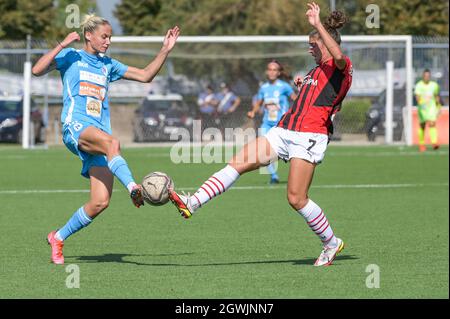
[{"x": 156, "y": 187}]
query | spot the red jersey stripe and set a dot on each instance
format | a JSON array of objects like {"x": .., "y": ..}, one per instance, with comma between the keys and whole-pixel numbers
[{"x": 322, "y": 91}]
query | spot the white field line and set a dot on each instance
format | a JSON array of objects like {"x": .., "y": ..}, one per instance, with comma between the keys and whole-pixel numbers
[
  {"x": 329, "y": 154},
  {"x": 254, "y": 187},
  {"x": 221, "y": 153}
]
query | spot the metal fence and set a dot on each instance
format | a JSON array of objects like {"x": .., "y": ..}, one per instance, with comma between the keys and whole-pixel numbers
[{"x": 192, "y": 66}]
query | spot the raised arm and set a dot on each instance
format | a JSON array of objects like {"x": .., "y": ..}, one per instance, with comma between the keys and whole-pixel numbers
[
  {"x": 47, "y": 62},
  {"x": 333, "y": 47},
  {"x": 149, "y": 72}
]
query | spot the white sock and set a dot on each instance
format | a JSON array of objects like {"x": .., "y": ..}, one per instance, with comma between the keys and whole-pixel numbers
[
  {"x": 58, "y": 236},
  {"x": 318, "y": 223},
  {"x": 130, "y": 186},
  {"x": 217, "y": 184}
]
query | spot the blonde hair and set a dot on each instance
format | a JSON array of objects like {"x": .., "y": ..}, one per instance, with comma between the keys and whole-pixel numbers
[{"x": 91, "y": 22}]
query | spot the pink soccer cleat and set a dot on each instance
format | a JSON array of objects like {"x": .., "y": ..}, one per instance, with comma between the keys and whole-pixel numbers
[{"x": 57, "y": 248}]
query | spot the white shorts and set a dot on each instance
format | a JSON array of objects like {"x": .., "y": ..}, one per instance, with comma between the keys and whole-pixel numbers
[{"x": 288, "y": 144}]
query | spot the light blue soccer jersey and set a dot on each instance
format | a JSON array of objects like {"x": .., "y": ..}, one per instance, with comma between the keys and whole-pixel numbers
[
  {"x": 85, "y": 80},
  {"x": 275, "y": 99}
]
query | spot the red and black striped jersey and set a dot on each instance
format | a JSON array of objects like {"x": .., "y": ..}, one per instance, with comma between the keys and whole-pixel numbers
[{"x": 320, "y": 96}]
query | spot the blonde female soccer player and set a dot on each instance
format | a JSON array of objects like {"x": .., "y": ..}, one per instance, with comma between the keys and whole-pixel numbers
[
  {"x": 85, "y": 116},
  {"x": 301, "y": 136}
]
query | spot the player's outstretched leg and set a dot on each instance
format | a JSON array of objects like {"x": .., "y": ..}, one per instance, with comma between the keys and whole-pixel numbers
[
  {"x": 252, "y": 156},
  {"x": 101, "y": 181},
  {"x": 95, "y": 141},
  {"x": 120, "y": 169},
  {"x": 217, "y": 184}
]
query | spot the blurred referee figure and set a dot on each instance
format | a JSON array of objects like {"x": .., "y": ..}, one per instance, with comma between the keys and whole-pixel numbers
[{"x": 429, "y": 106}]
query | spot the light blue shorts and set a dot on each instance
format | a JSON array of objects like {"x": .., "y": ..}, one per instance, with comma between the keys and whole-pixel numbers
[{"x": 71, "y": 133}]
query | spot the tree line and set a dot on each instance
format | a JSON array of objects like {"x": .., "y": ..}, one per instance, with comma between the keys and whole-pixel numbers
[{"x": 46, "y": 19}]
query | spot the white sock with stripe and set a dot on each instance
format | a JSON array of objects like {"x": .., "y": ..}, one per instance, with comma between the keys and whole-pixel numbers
[
  {"x": 217, "y": 184},
  {"x": 318, "y": 223}
]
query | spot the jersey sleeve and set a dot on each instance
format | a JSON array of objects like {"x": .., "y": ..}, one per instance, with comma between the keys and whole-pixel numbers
[
  {"x": 260, "y": 94},
  {"x": 417, "y": 88},
  {"x": 65, "y": 58},
  {"x": 118, "y": 70},
  {"x": 289, "y": 90},
  {"x": 437, "y": 89}
]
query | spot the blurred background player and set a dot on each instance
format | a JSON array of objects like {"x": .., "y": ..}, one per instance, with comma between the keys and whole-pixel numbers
[
  {"x": 85, "y": 117},
  {"x": 274, "y": 96},
  {"x": 207, "y": 103},
  {"x": 228, "y": 103},
  {"x": 301, "y": 136},
  {"x": 429, "y": 105}
]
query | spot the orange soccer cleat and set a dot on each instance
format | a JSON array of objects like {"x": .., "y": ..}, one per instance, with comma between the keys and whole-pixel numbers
[
  {"x": 57, "y": 248},
  {"x": 422, "y": 148},
  {"x": 182, "y": 203}
]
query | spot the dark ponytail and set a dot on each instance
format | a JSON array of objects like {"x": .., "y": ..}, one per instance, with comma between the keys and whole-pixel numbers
[{"x": 336, "y": 20}]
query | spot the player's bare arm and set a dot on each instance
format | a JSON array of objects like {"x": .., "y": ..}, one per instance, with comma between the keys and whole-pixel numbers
[
  {"x": 255, "y": 109},
  {"x": 47, "y": 62},
  {"x": 313, "y": 15},
  {"x": 149, "y": 72},
  {"x": 236, "y": 103}
]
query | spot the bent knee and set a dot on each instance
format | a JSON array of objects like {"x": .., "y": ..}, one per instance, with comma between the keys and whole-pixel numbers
[
  {"x": 112, "y": 146},
  {"x": 243, "y": 167},
  {"x": 297, "y": 201},
  {"x": 100, "y": 205}
]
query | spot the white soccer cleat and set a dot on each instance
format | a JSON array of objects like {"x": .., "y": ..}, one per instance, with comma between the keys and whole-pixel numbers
[{"x": 329, "y": 254}]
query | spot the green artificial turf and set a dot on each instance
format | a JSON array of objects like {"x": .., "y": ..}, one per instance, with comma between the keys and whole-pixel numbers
[{"x": 389, "y": 205}]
